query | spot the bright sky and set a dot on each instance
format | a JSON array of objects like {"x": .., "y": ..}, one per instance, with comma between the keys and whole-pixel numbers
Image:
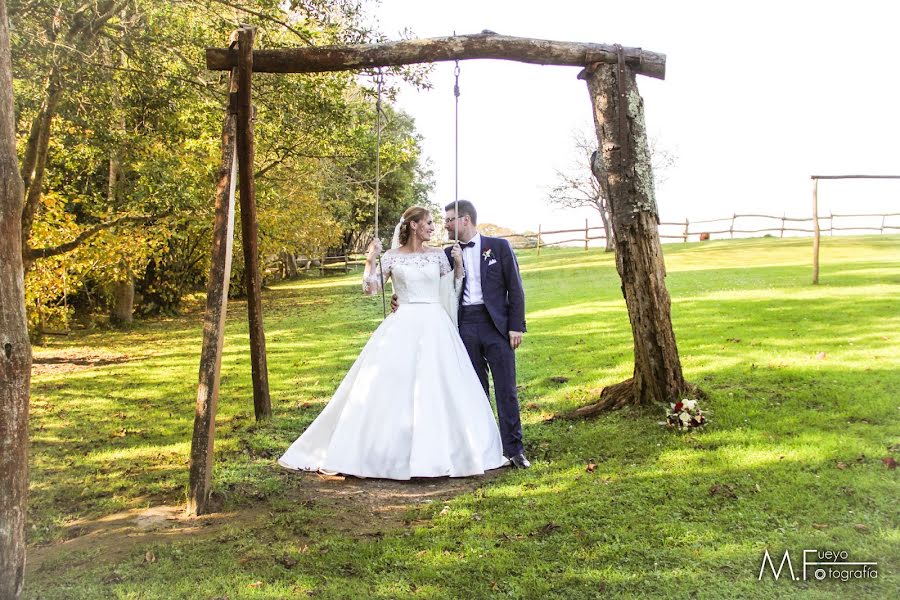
[{"x": 757, "y": 97}]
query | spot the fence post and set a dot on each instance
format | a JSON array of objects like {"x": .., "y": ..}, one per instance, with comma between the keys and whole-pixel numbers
[
  {"x": 881, "y": 232},
  {"x": 585, "y": 235},
  {"x": 539, "y": 241},
  {"x": 783, "y": 217},
  {"x": 686, "y": 223},
  {"x": 815, "y": 278},
  {"x": 731, "y": 230},
  {"x": 830, "y": 223}
]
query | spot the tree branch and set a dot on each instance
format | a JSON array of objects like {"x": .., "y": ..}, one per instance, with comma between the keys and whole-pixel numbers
[
  {"x": 266, "y": 17},
  {"x": 32, "y": 254}
]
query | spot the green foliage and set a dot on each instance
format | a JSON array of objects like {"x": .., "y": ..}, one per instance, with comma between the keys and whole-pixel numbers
[
  {"x": 135, "y": 92},
  {"x": 790, "y": 460}
]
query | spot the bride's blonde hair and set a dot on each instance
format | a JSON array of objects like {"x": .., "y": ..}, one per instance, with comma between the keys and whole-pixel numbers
[{"x": 413, "y": 213}]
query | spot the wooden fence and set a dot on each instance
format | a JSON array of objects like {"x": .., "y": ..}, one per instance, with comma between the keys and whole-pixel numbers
[
  {"x": 712, "y": 227},
  {"x": 686, "y": 229}
]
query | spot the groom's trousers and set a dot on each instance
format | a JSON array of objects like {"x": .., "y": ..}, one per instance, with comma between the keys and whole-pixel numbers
[{"x": 488, "y": 348}]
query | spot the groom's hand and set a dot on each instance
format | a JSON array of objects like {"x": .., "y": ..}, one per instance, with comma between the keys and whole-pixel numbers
[
  {"x": 394, "y": 304},
  {"x": 515, "y": 339}
]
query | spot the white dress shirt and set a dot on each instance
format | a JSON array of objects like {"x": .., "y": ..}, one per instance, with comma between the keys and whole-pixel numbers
[{"x": 472, "y": 263}]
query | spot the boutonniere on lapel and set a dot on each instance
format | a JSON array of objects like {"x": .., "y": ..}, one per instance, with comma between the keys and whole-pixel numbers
[{"x": 487, "y": 254}]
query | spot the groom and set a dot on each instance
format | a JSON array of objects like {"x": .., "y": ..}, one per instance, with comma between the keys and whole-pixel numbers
[{"x": 491, "y": 318}]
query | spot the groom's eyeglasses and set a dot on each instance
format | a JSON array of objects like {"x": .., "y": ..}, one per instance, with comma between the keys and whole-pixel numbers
[{"x": 451, "y": 219}]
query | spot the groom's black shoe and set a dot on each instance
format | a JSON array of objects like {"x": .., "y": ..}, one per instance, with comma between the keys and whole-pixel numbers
[{"x": 520, "y": 462}]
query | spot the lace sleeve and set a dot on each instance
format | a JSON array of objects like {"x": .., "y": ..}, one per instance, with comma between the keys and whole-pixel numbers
[
  {"x": 450, "y": 288},
  {"x": 380, "y": 274},
  {"x": 445, "y": 263}
]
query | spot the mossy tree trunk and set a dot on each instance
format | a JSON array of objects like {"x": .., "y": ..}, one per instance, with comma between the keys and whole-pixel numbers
[{"x": 623, "y": 166}]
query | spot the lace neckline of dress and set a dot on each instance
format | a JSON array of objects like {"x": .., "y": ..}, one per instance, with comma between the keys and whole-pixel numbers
[{"x": 428, "y": 250}]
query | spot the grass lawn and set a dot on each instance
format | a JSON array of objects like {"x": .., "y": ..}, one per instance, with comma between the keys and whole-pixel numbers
[{"x": 804, "y": 392}]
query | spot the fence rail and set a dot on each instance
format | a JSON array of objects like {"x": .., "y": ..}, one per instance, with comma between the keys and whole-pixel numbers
[{"x": 689, "y": 228}]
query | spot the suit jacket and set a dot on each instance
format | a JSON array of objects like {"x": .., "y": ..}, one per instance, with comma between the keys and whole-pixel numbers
[{"x": 501, "y": 284}]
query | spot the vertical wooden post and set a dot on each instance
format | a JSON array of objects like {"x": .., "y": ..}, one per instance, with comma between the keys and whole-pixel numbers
[
  {"x": 200, "y": 480},
  {"x": 262, "y": 405},
  {"x": 539, "y": 241},
  {"x": 883, "y": 217},
  {"x": 686, "y": 224},
  {"x": 15, "y": 349},
  {"x": 585, "y": 235},
  {"x": 830, "y": 223},
  {"x": 783, "y": 217},
  {"x": 731, "y": 230},
  {"x": 815, "y": 278}
]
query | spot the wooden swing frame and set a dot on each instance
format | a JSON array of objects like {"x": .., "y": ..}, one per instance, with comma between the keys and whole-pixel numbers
[{"x": 238, "y": 155}]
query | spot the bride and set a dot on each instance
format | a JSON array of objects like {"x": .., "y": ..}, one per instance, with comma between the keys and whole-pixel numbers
[{"x": 411, "y": 405}]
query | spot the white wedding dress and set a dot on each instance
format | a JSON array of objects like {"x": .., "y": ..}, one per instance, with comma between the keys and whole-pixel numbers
[{"x": 411, "y": 405}]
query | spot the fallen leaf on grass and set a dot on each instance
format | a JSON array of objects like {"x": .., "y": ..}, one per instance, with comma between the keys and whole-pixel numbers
[
  {"x": 559, "y": 379},
  {"x": 722, "y": 489},
  {"x": 889, "y": 462},
  {"x": 288, "y": 561},
  {"x": 149, "y": 557},
  {"x": 255, "y": 584},
  {"x": 819, "y": 526},
  {"x": 841, "y": 465},
  {"x": 546, "y": 529},
  {"x": 532, "y": 406},
  {"x": 591, "y": 467},
  {"x": 893, "y": 448},
  {"x": 821, "y": 356},
  {"x": 860, "y": 527}
]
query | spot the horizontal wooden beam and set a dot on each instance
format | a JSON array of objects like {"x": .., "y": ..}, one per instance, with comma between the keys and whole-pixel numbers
[
  {"x": 460, "y": 47},
  {"x": 854, "y": 176}
]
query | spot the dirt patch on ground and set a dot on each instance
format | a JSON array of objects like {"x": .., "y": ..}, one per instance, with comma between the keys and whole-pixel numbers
[
  {"x": 362, "y": 507},
  {"x": 66, "y": 361}
]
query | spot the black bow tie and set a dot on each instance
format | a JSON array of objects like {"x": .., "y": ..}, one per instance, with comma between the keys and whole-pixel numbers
[{"x": 468, "y": 245}]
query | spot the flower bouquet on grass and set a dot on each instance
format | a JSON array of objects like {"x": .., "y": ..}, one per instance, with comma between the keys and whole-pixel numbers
[{"x": 685, "y": 414}]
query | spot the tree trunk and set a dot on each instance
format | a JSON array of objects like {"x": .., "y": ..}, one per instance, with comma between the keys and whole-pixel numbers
[
  {"x": 623, "y": 163},
  {"x": 290, "y": 265},
  {"x": 35, "y": 161},
  {"x": 123, "y": 290},
  {"x": 15, "y": 351},
  {"x": 123, "y": 302},
  {"x": 607, "y": 226}
]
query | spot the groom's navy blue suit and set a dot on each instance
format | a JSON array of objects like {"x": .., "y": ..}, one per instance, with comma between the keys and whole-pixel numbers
[{"x": 485, "y": 329}]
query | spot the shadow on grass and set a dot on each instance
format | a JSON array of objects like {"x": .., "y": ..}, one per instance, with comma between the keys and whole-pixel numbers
[{"x": 791, "y": 459}]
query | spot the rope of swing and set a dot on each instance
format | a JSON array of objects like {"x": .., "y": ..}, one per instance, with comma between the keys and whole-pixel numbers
[
  {"x": 456, "y": 154},
  {"x": 379, "y": 80}
]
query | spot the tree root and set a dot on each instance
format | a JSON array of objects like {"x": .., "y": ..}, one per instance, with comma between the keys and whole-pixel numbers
[
  {"x": 613, "y": 397},
  {"x": 616, "y": 396}
]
